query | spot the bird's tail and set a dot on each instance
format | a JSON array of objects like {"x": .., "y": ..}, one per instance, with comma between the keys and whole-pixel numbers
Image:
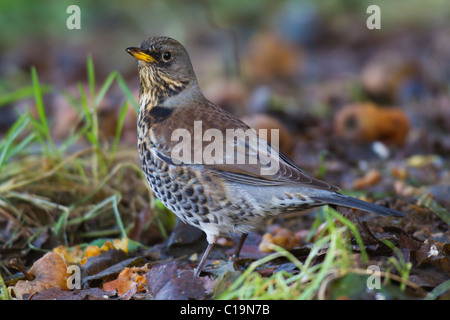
[{"x": 346, "y": 201}]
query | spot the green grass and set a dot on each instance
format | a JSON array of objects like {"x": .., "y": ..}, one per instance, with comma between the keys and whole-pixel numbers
[
  {"x": 4, "y": 295},
  {"x": 398, "y": 263},
  {"x": 308, "y": 282},
  {"x": 314, "y": 279}
]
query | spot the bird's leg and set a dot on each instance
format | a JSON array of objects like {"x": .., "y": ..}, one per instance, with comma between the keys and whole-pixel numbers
[
  {"x": 239, "y": 247},
  {"x": 205, "y": 256}
]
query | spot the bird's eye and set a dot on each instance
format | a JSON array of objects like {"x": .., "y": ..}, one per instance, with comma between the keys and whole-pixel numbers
[{"x": 166, "y": 55}]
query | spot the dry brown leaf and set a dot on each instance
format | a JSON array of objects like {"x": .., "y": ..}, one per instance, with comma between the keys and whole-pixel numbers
[
  {"x": 121, "y": 286},
  {"x": 90, "y": 252},
  {"x": 119, "y": 244},
  {"x": 77, "y": 255},
  {"x": 134, "y": 274},
  {"x": 399, "y": 173},
  {"x": 167, "y": 281},
  {"x": 282, "y": 237},
  {"x": 50, "y": 271},
  {"x": 435, "y": 253},
  {"x": 70, "y": 255},
  {"x": 129, "y": 279},
  {"x": 371, "y": 178}
]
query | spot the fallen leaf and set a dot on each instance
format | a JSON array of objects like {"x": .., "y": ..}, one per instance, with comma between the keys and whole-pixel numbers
[
  {"x": 282, "y": 237},
  {"x": 112, "y": 270},
  {"x": 83, "y": 294},
  {"x": 77, "y": 255},
  {"x": 90, "y": 252},
  {"x": 70, "y": 255},
  {"x": 50, "y": 271},
  {"x": 371, "y": 178},
  {"x": 167, "y": 282},
  {"x": 121, "y": 286},
  {"x": 399, "y": 173},
  {"x": 130, "y": 279},
  {"x": 117, "y": 244},
  {"x": 434, "y": 253},
  {"x": 104, "y": 260}
]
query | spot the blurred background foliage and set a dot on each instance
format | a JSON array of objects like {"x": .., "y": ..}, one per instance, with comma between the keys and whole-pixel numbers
[{"x": 33, "y": 33}]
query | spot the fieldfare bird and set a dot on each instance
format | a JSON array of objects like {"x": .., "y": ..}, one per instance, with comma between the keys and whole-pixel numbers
[{"x": 226, "y": 179}]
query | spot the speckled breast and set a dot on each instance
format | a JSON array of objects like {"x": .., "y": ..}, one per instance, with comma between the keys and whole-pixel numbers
[{"x": 177, "y": 188}]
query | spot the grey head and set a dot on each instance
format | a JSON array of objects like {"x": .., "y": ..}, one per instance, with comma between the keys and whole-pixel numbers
[{"x": 163, "y": 61}]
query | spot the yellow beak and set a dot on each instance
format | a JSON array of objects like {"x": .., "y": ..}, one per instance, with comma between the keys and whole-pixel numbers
[{"x": 138, "y": 54}]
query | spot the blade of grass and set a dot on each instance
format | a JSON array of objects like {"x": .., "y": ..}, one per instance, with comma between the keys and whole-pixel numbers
[
  {"x": 4, "y": 295},
  {"x": 93, "y": 134},
  {"x": 127, "y": 92},
  {"x": 99, "y": 164},
  {"x": 95, "y": 211},
  {"x": 319, "y": 219},
  {"x": 84, "y": 105},
  {"x": 236, "y": 289},
  {"x": 11, "y": 185},
  {"x": 21, "y": 94},
  {"x": 100, "y": 185},
  {"x": 72, "y": 139},
  {"x": 92, "y": 128},
  {"x": 427, "y": 200},
  {"x": 437, "y": 291},
  {"x": 44, "y": 129},
  {"x": 102, "y": 92},
  {"x": 21, "y": 146},
  {"x": 326, "y": 265},
  {"x": 120, "y": 122},
  {"x": 61, "y": 224},
  {"x": 118, "y": 218},
  {"x": 10, "y": 136},
  {"x": 98, "y": 209},
  {"x": 354, "y": 231},
  {"x": 403, "y": 267},
  {"x": 91, "y": 75}
]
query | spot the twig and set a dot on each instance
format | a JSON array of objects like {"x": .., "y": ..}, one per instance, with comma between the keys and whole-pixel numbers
[{"x": 15, "y": 264}]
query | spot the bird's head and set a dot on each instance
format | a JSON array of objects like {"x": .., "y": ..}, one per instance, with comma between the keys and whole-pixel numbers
[{"x": 163, "y": 63}]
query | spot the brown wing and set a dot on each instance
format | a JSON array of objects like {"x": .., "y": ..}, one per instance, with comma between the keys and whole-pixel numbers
[{"x": 263, "y": 165}]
